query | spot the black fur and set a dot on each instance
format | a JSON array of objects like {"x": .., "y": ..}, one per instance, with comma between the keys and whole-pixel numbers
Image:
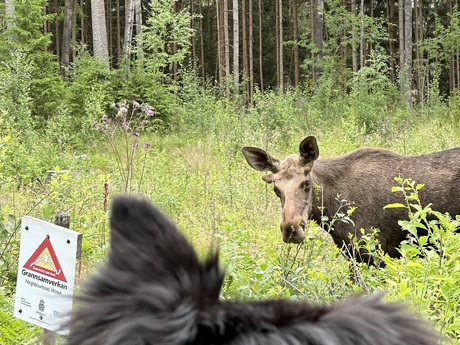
[{"x": 154, "y": 290}]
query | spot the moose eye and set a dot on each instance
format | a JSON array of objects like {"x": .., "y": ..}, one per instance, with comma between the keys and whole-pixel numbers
[
  {"x": 277, "y": 192},
  {"x": 305, "y": 185}
]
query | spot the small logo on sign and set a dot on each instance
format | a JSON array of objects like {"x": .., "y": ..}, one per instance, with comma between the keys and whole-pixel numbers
[
  {"x": 45, "y": 261},
  {"x": 41, "y": 305}
]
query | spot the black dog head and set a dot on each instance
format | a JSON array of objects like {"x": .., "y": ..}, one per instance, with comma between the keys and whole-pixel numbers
[{"x": 154, "y": 290}]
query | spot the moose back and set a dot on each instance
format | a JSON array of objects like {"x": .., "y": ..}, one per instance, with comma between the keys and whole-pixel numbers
[{"x": 308, "y": 188}]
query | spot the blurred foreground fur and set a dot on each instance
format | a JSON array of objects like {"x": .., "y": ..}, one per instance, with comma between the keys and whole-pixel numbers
[{"x": 154, "y": 290}]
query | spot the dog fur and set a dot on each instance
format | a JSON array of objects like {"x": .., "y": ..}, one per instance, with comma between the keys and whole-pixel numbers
[{"x": 153, "y": 289}]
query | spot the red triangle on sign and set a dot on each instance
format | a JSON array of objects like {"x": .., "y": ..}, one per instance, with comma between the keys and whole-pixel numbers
[{"x": 44, "y": 261}]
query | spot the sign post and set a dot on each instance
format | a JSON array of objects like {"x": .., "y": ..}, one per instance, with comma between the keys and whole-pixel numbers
[{"x": 46, "y": 274}]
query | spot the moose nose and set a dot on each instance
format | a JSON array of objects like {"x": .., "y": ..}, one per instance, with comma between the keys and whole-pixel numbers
[{"x": 293, "y": 231}]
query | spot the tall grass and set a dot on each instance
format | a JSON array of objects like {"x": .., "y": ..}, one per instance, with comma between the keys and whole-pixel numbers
[{"x": 194, "y": 171}]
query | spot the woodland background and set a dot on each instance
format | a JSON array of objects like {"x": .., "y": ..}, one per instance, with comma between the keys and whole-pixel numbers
[{"x": 157, "y": 98}]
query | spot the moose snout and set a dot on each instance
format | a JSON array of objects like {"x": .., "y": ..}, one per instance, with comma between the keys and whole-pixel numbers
[{"x": 293, "y": 231}]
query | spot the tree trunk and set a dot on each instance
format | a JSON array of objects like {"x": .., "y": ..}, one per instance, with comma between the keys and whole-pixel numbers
[
  {"x": 100, "y": 46},
  {"x": 317, "y": 33},
  {"x": 277, "y": 40},
  {"x": 245, "y": 45},
  {"x": 354, "y": 40},
  {"x": 203, "y": 70},
  {"x": 458, "y": 68},
  {"x": 251, "y": 51},
  {"x": 109, "y": 27},
  {"x": 296, "y": 46},
  {"x": 451, "y": 55},
  {"x": 176, "y": 9},
  {"x": 84, "y": 23},
  {"x": 9, "y": 11},
  {"x": 408, "y": 50},
  {"x": 361, "y": 36},
  {"x": 226, "y": 38},
  {"x": 119, "y": 49},
  {"x": 74, "y": 29},
  {"x": 192, "y": 26},
  {"x": 261, "y": 77},
  {"x": 371, "y": 15},
  {"x": 66, "y": 37},
  {"x": 391, "y": 35},
  {"x": 10, "y": 18},
  {"x": 280, "y": 61},
  {"x": 418, "y": 55},
  {"x": 236, "y": 46},
  {"x": 220, "y": 40},
  {"x": 401, "y": 41},
  {"x": 138, "y": 25},
  {"x": 57, "y": 33},
  {"x": 129, "y": 22}
]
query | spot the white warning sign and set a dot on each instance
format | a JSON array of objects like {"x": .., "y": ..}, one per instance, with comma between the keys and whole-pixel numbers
[{"x": 46, "y": 274}]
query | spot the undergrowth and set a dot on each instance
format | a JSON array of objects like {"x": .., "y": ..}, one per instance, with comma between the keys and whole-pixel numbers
[{"x": 194, "y": 171}]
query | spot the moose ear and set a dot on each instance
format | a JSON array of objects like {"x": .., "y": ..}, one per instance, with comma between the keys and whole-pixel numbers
[
  {"x": 260, "y": 160},
  {"x": 308, "y": 149}
]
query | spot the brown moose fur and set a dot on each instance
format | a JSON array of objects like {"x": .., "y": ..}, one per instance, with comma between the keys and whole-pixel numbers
[{"x": 308, "y": 188}]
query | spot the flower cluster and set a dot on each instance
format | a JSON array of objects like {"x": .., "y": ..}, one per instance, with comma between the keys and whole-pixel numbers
[
  {"x": 122, "y": 131},
  {"x": 131, "y": 119}
]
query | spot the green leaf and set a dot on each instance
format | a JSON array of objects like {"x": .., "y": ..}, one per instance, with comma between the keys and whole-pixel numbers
[
  {"x": 415, "y": 264},
  {"x": 48, "y": 212},
  {"x": 422, "y": 240},
  {"x": 419, "y": 186},
  {"x": 394, "y": 205}
]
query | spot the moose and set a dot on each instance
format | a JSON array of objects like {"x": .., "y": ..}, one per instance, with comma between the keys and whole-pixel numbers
[
  {"x": 308, "y": 188},
  {"x": 153, "y": 289}
]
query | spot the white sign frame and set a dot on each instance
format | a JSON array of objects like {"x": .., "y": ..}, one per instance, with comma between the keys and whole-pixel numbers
[{"x": 46, "y": 274}]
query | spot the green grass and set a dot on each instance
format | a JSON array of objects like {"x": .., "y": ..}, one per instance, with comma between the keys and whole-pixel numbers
[{"x": 197, "y": 175}]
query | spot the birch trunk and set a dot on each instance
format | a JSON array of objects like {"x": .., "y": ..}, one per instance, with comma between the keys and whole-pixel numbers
[
  {"x": 236, "y": 46},
  {"x": 100, "y": 45},
  {"x": 138, "y": 26},
  {"x": 10, "y": 17},
  {"x": 129, "y": 22}
]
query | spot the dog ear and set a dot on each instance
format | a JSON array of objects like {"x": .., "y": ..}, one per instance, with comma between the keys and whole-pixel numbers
[
  {"x": 147, "y": 246},
  {"x": 143, "y": 240}
]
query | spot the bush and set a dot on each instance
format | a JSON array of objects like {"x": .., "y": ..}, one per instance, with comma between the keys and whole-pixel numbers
[{"x": 428, "y": 273}]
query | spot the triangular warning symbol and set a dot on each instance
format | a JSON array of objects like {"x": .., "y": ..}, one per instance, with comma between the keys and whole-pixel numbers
[{"x": 44, "y": 261}]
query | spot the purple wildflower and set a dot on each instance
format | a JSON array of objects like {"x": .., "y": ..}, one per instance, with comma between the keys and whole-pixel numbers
[
  {"x": 146, "y": 146},
  {"x": 149, "y": 110}
]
